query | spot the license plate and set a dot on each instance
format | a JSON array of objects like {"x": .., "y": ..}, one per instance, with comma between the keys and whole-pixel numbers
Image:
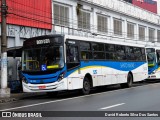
[{"x": 42, "y": 87}]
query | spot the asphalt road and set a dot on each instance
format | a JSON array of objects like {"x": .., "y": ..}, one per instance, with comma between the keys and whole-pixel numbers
[{"x": 139, "y": 98}]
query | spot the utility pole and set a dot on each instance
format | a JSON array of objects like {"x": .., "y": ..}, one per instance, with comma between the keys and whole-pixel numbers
[{"x": 4, "y": 91}]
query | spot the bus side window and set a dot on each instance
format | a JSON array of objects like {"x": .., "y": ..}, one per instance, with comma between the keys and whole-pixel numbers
[
  {"x": 120, "y": 52},
  {"x": 85, "y": 50},
  {"x": 129, "y": 53},
  {"x": 69, "y": 55},
  {"x": 83, "y": 55},
  {"x": 72, "y": 57}
]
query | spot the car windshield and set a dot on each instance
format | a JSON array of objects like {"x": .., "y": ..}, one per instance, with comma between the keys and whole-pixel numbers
[{"x": 43, "y": 58}]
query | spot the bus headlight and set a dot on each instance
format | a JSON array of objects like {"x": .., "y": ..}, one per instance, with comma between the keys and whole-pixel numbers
[
  {"x": 61, "y": 76},
  {"x": 24, "y": 79},
  {"x": 153, "y": 72}
]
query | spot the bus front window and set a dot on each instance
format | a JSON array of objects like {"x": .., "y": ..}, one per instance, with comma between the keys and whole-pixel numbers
[
  {"x": 49, "y": 56},
  {"x": 151, "y": 57}
]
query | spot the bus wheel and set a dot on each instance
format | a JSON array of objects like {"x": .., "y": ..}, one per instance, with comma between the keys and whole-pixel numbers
[
  {"x": 86, "y": 86},
  {"x": 129, "y": 82},
  {"x": 52, "y": 94}
]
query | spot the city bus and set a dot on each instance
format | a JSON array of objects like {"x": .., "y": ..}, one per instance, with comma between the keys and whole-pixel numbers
[
  {"x": 153, "y": 57},
  {"x": 54, "y": 63}
]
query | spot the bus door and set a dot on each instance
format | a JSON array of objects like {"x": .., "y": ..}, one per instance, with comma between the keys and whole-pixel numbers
[
  {"x": 152, "y": 62},
  {"x": 73, "y": 64},
  {"x": 158, "y": 62},
  {"x": 158, "y": 57}
]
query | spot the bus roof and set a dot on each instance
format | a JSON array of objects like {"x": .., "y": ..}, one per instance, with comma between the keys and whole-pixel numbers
[
  {"x": 89, "y": 39},
  {"x": 104, "y": 40},
  {"x": 156, "y": 48}
]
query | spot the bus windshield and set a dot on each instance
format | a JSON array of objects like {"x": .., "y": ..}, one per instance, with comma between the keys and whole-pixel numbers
[
  {"x": 43, "y": 58},
  {"x": 151, "y": 57}
]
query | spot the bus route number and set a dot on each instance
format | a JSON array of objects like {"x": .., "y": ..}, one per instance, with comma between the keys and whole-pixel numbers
[{"x": 94, "y": 71}]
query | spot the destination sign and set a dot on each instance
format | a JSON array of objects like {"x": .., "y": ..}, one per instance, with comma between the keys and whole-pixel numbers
[
  {"x": 45, "y": 41},
  {"x": 40, "y": 41}
]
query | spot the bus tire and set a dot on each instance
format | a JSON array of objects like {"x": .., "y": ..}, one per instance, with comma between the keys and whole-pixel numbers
[
  {"x": 129, "y": 81},
  {"x": 52, "y": 94},
  {"x": 86, "y": 86}
]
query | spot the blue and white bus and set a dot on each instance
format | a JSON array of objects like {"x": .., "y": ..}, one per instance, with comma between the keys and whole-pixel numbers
[
  {"x": 62, "y": 62},
  {"x": 153, "y": 57}
]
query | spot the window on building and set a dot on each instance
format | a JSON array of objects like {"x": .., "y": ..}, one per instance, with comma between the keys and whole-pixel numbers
[
  {"x": 158, "y": 35},
  {"x": 151, "y": 34},
  {"x": 61, "y": 15},
  {"x": 102, "y": 22},
  {"x": 84, "y": 20},
  {"x": 141, "y": 33},
  {"x": 130, "y": 30},
  {"x": 117, "y": 27}
]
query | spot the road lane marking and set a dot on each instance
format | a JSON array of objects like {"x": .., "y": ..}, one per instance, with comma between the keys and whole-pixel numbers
[
  {"x": 104, "y": 108},
  {"x": 38, "y": 104},
  {"x": 119, "y": 90}
]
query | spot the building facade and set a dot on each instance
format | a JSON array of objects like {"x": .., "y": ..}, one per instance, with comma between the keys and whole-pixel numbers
[
  {"x": 113, "y": 19},
  {"x": 116, "y": 20}
]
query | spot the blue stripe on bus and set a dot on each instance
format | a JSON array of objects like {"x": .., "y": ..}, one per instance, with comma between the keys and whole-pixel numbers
[
  {"x": 35, "y": 79},
  {"x": 122, "y": 66},
  {"x": 40, "y": 79}
]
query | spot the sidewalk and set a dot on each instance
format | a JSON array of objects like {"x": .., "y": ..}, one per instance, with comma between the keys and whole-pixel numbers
[{"x": 19, "y": 96}]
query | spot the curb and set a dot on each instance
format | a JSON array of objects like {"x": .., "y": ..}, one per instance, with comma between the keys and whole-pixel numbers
[
  {"x": 5, "y": 100},
  {"x": 19, "y": 96}
]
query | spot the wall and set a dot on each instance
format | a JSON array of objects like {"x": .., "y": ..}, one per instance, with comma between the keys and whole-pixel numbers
[
  {"x": 113, "y": 9},
  {"x": 128, "y": 9},
  {"x": 149, "y": 5},
  {"x": 158, "y": 7},
  {"x": 17, "y": 34},
  {"x": 33, "y": 13}
]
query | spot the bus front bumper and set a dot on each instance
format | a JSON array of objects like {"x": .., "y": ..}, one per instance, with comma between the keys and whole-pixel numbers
[
  {"x": 152, "y": 76},
  {"x": 48, "y": 87}
]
